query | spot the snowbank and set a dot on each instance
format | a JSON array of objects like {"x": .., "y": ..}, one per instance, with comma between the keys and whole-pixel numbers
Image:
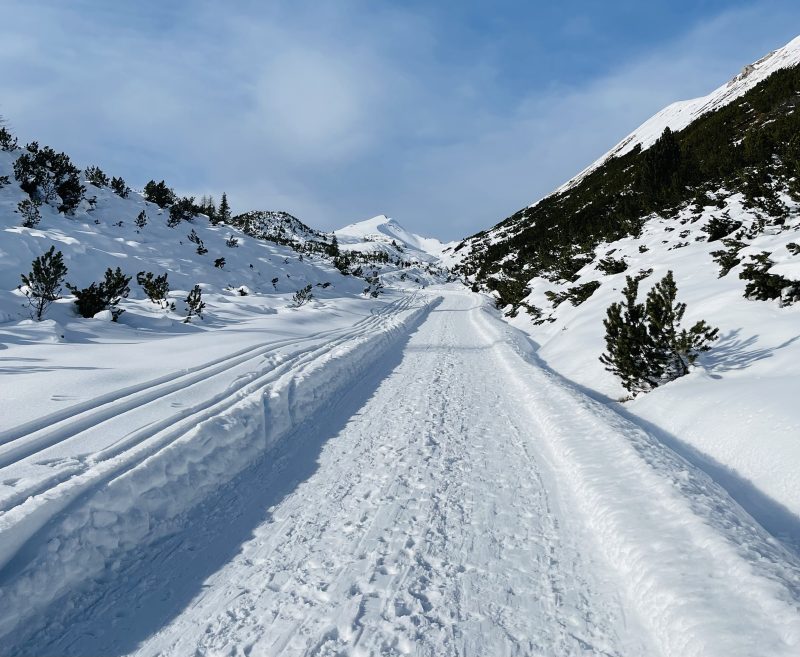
[{"x": 72, "y": 532}]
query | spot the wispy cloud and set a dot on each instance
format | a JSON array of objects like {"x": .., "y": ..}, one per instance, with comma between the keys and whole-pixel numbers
[{"x": 339, "y": 111}]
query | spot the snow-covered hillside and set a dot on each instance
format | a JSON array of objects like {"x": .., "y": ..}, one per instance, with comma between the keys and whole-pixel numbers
[
  {"x": 737, "y": 407},
  {"x": 132, "y": 423},
  {"x": 240, "y": 275},
  {"x": 735, "y": 412}
]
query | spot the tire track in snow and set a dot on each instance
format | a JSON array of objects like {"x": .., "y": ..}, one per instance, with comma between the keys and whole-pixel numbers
[{"x": 33, "y": 437}]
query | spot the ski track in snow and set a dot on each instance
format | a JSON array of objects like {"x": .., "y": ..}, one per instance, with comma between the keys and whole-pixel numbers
[{"x": 459, "y": 500}]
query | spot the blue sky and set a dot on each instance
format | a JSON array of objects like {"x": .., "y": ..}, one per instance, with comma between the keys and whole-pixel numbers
[{"x": 446, "y": 115}]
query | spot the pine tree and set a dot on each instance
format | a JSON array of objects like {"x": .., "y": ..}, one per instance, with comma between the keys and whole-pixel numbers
[
  {"x": 761, "y": 285},
  {"x": 645, "y": 345},
  {"x": 333, "y": 247},
  {"x": 159, "y": 194},
  {"x": 29, "y": 211},
  {"x": 95, "y": 176},
  {"x": 141, "y": 220},
  {"x": 43, "y": 283},
  {"x": 674, "y": 349},
  {"x": 120, "y": 188},
  {"x": 194, "y": 304},
  {"x": 195, "y": 239},
  {"x": 104, "y": 295},
  {"x": 46, "y": 175},
  {"x": 302, "y": 296},
  {"x": 224, "y": 212},
  {"x": 627, "y": 344},
  {"x": 8, "y": 142},
  {"x": 155, "y": 287},
  {"x": 209, "y": 207},
  {"x": 181, "y": 210}
]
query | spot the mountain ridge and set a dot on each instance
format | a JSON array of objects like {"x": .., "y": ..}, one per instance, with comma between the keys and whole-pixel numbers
[{"x": 681, "y": 113}]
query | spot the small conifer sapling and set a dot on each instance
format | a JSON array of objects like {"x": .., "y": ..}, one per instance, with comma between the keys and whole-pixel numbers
[{"x": 42, "y": 285}]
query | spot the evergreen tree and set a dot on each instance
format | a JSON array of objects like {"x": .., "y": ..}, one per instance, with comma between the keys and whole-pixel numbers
[
  {"x": 302, "y": 296},
  {"x": 104, "y": 295},
  {"x": 627, "y": 342},
  {"x": 159, "y": 194},
  {"x": 45, "y": 175},
  {"x": 208, "y": 207},
  {"x": 645, "y": 345},
  {"x": 609, "y": 265},
  {"x": 673, "y": 349},
  {"x": 194, "y": 303},
  {"x": 95, "y": 176},
  {"x": 29, "y": 211},
  {"x": 333, "y": 247},
  {"x": 761, "y": 285},
  {"x": 728, "y": 257},
  {"x": 224, "y": 212},
  {"x": 181, "y": 210},
  {"x": 43, "y": 283},
  {"x": 195, "y": 239},
  {"x": 120, "y": 188},
  {"x": 155, "y": 287},
  {"x": 8, "y": 142},
  {"x": 141, "y": 220}
]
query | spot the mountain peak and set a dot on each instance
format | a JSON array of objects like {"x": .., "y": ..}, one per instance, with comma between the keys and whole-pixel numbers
[{"x": 383, "y": 233}]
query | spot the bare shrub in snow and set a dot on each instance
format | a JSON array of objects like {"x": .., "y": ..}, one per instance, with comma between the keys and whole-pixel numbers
[{"x": 302, "y": 297}]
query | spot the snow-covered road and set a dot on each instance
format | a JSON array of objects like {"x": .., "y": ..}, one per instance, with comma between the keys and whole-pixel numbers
[{"x": 458, "y": 499}]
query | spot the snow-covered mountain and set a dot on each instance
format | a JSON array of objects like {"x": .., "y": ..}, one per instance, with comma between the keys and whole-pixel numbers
[
  {"x": 680, "y": 114},
  {"x": 386, "y": 235}
]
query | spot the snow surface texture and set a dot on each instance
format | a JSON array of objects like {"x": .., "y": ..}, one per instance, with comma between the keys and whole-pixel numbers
[
  {"x": 458, "y": 499},
  {"x": 679, "y": 115}
]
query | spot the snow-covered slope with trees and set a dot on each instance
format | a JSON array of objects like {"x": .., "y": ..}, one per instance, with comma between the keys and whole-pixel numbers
[{"x": 717, "y": 202}]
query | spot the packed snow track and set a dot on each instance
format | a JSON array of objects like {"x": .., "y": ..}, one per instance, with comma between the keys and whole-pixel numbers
[{"x": 444, "y": 495}]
